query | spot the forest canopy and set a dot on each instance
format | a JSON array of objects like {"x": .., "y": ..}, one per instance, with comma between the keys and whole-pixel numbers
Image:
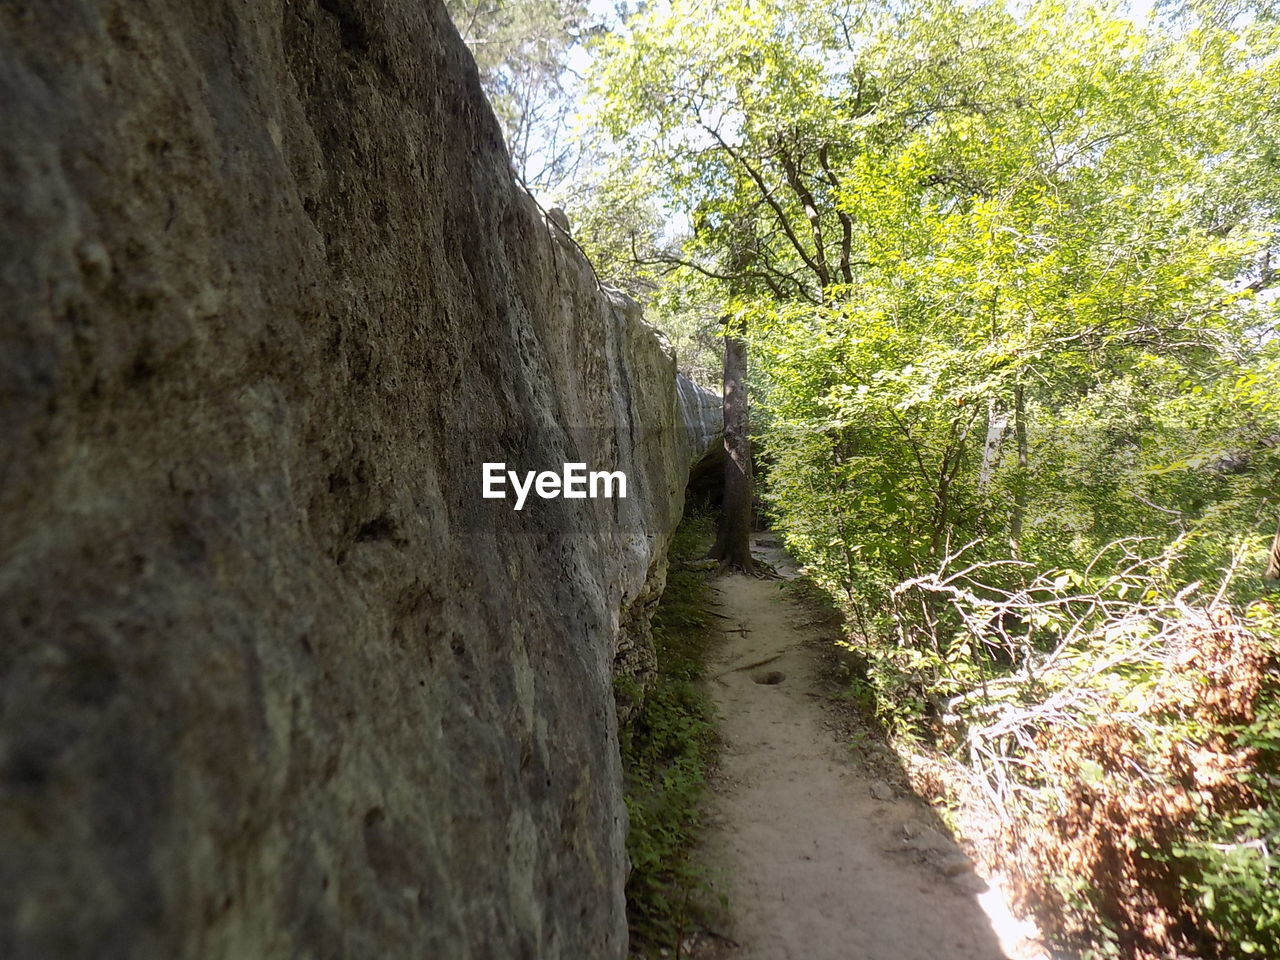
[{"x": 1007, "y": 275}]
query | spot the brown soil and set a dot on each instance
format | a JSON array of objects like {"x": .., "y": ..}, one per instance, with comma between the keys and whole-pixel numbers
[{"x": 820, "y": 856}]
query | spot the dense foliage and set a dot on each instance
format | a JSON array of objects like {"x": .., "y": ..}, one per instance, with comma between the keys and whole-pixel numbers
[{"x": 1008, "y": 277}]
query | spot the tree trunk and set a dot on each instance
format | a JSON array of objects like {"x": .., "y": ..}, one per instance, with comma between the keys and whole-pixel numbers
[
  {"x": 1273, "y": 562},
  {"x": 733, "y": 541},
  {"x": 992, "y": 446},
  {"x": 1020, "y": 478}
]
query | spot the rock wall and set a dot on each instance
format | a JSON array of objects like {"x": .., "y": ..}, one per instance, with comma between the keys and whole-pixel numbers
[
  {"x": 275, "y": 681},
  {"x": 703, "y": 418}
]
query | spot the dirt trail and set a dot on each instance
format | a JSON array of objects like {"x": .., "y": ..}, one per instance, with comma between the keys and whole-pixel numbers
[{"x": 816, "y": 868}]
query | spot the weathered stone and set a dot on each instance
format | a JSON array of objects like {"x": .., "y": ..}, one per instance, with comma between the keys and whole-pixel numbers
[
  {"x": 954, "y": 864},
  {"x": 970, "y": 883},
  {"x": 702, "y": 566},
  {"x": 880, "y": 790},
  {"x": 925, "y": 839},
  {"x": 635, "y": 661},
  {"x": 275, "y": 682},
  {"x": 560, "y": 219}
]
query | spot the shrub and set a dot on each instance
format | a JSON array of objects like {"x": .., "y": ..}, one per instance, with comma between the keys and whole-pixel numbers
[{"x": 1132, "y": 759}]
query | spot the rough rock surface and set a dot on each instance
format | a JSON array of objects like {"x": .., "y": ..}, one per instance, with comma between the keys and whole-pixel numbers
[{"x": 275, "y": 681}]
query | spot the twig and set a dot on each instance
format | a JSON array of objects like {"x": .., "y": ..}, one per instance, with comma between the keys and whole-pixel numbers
[{"x": 750, "y": 666}]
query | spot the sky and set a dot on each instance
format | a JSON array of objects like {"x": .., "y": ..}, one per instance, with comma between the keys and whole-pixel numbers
[{"x": 606, "y": 11}]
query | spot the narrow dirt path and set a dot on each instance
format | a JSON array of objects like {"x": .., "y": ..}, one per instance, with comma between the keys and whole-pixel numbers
[{"x": 815, "y": 866}]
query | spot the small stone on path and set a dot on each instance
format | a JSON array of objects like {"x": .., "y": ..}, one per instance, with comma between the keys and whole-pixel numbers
[
  {"x": 970, "y": 882},
  {"x": 881, "y": 791}
]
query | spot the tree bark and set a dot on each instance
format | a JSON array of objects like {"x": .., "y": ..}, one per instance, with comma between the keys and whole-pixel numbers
[
  {"x": 1273, "y": 562},
  {"x": 1020, "y": 478},
  {"x": 733, "y": 541}
]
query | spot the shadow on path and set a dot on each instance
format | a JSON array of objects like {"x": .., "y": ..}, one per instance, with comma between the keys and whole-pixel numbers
[{"x": 820, "y": 860}]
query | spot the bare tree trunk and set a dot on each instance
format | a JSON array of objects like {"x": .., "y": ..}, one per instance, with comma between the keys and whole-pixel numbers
[
  {"x": 1020, "y": 479},
  {"x": 733, "y": 541},
  {"x": 1273, "y": 563},
  {"x": 997, "y": 424}
]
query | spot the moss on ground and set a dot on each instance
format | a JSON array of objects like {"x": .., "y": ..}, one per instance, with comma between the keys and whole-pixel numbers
[{"x": 667, "y": 751}]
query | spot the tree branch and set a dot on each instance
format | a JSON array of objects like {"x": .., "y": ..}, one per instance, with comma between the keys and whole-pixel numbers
[
  {"x": 783, "y": 221},
  {"x": 846, "y": 222},
  {"x": 674, "y": 261},
  {"x": 798, "y": 187}
]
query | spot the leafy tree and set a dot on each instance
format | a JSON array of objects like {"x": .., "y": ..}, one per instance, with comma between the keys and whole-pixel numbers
[
  {"x": 522, "y": 48},
  {"x": 1008, "y": 278}
]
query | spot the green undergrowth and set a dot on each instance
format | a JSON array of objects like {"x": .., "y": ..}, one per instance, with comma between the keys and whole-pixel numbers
[
  {"x": 1123, "y": 773},
  {"x": 668, "y": 748}
]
